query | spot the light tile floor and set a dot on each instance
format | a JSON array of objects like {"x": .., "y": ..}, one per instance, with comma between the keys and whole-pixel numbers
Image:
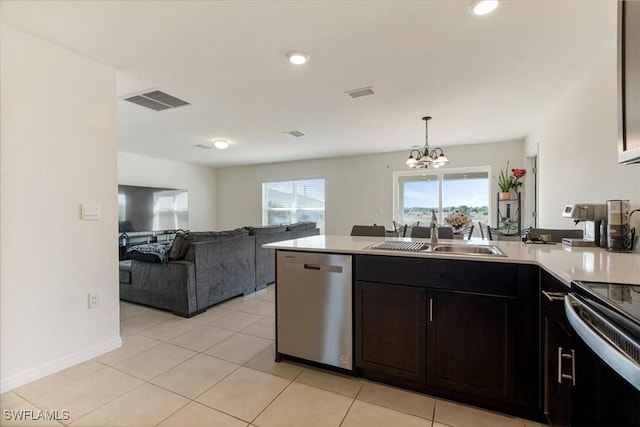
[{"x": 217, "y": 369}]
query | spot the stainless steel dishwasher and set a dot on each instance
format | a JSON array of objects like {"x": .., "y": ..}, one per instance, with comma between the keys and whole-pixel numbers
[{"x": 314, "y": 308}]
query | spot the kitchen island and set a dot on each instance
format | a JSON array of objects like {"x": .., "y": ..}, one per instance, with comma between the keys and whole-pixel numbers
[
  {"x": 464, "y": 326},
  {"x": 563, "y": 262}
]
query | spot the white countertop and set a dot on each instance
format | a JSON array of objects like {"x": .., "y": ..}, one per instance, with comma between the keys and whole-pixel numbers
[{"x": 564, "y": 262}]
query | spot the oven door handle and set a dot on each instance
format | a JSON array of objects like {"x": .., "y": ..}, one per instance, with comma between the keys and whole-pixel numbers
[{"x": 625, "y": 367}]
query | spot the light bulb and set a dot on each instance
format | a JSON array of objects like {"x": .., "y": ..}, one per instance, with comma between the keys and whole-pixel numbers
[
  {"x": 482, "y": 7},
  {"x": 221, "y": 144},
  {"x": 297, "y": 57}
]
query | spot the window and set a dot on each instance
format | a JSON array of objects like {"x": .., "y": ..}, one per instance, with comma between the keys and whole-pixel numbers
[
  {"x": 417, "y": 193},
  {"x": 170, "y": 210},
  {"x": 286, "y": 202}
]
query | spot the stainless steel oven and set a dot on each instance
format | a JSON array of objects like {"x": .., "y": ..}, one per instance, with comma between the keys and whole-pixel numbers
[{"x": 605, "y": 318}]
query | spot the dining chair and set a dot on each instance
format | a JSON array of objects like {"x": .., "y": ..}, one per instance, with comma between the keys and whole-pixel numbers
[
  {"x": 401, "y": 229},
  {"x": 425, "y": 232},
  {"x": 468, "y": 232},
  {"x": 464, "y": 232},
  {"x": 485, "y": 231},
  {"x": 368, "y": 230}
]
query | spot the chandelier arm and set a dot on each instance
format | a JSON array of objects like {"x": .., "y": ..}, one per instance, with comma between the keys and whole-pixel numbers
[{"x": 415, "y": 150}]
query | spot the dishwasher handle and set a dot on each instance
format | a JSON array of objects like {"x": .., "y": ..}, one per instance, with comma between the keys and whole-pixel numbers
[{"x": 315, "y": 267}]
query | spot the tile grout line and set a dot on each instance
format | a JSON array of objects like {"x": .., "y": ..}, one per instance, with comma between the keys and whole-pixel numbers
[
  {"x": 270, "y": 403},
  {"x": 352, "y": 403},
  {"x": 433, "y": 414},
  {"x": 291, "y": 381},
  {"x": 106, "y": 403}
]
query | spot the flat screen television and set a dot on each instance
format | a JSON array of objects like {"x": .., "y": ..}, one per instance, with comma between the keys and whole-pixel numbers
[{"x": 152, "y": 209}]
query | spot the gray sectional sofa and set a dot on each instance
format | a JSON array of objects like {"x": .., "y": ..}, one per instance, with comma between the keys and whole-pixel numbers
[{"x": 204, "y": 268}]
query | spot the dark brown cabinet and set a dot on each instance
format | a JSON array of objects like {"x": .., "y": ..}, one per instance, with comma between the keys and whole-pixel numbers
[
  {"x": 391, "y": 334},
  {"x": 558, "y": 354},
  {"x": 471, "y": 342},
  {"x": 458, "y": 329},
  {"x": 557, "y": 391}
]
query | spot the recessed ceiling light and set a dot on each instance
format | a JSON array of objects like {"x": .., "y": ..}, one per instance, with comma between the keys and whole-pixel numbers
[
  {"x": 221, "y": 144},
  {"x": 297, "y": 57},
  {"x": 482, "y": 7}
]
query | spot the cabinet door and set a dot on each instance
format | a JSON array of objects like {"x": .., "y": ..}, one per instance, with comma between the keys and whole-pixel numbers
[
  {"x": 628, "y": 82},
  {"x": 557, "y": 394},
  {"x": 471, "y": 345},
  {"x": 390, "y": 326}
]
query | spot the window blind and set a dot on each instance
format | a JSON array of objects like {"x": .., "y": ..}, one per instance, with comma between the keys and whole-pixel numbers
[{"x": 287, "y": 202}]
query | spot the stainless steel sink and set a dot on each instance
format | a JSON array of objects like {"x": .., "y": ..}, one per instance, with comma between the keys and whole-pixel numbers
[
  {"x": 394, "y": 245},
  {"x": 423, "y": 247},
  {"x": 469, "y": 250}
]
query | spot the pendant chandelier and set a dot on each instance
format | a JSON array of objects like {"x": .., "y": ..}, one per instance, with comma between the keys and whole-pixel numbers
[{"x": 426, "y": 158}]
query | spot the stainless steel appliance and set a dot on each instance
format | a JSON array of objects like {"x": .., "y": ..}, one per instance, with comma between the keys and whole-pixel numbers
[
  {"x": 314, "y": 314},
  {"x": 591, "y": 215},
  {"x": 620, "y": 234},
  {"x": 605, "y": 354}
]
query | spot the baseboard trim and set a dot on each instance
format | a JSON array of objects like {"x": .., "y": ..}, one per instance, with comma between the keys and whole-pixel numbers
[{"x": 29, "y": 375}]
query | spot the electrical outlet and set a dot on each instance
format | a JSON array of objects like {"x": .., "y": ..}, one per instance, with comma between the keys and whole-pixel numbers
[{"x": 94, "y": 299}]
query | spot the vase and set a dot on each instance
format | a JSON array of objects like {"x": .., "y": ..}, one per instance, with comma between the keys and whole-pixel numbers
[{"x": 505, "y": 195}]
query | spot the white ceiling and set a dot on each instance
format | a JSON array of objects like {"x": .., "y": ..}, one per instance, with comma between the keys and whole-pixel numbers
[{"x": 483, "y": 79}]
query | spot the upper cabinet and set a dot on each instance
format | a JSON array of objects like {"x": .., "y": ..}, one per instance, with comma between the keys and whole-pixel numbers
[{"x": 629, "y": 82}]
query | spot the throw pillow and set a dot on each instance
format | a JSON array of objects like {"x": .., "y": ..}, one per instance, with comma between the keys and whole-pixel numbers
[{"x": 176, "y": 247}]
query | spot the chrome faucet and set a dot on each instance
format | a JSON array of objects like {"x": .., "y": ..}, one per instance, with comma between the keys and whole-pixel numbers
[{"x": 434, "y": 227}]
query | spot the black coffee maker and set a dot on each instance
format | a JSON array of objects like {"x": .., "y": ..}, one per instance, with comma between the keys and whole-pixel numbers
[{"x": 620, "y": 235}]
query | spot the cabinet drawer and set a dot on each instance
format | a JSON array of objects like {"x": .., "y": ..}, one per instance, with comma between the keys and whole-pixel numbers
[
  {"x": 476, "y": 276},
  {"x": 552, "y": 297}
]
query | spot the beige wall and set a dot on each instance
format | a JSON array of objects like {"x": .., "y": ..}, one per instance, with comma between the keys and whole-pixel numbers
[
  {"x": 58, "y": 150},
  {"x": 577, "y": 144},
  {"x": 358, "y": 189},
  {"x": 199, "y": 180}
]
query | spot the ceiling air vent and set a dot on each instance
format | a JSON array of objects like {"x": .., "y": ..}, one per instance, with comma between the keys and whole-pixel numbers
[
  {"x": 156, "y": 100},
  {"x": 205, "y": 145},
  {"x": 357, "y": 93},
  {"x": 295, "y": 133}
]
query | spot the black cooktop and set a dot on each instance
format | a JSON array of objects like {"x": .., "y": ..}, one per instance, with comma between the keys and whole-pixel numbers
[{"x": 622, "y": 298}]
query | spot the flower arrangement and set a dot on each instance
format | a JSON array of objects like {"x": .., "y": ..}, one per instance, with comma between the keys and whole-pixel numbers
[
  {"x": 457, "y": 220},
  {"x": 517, "y": 174},
  {"x": 508, "y": 181}
]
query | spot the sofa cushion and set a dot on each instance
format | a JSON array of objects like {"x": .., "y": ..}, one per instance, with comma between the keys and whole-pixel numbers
[
  {"x": 187, "y": 239},
  {"x": 174, "y": 253},
  {"x": 305, "y": 225},
  {"x": 254, "y": 231},
  {"x": 232, "y": 233}
]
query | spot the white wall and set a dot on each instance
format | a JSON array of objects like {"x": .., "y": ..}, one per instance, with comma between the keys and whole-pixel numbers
[
  {"x": 144, "y": 171},
  {"x": 358, "y": 189},
  {"x": 58, "y": 150},
  {"x": 577, "y": 144}
]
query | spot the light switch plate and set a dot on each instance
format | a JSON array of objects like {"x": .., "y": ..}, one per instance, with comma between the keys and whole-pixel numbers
[{"x": 90, "y": 211}]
